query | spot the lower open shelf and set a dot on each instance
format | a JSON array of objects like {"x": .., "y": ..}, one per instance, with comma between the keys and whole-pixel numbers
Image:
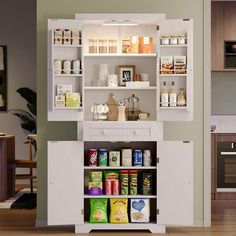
[{"x": 120, "y": 196}]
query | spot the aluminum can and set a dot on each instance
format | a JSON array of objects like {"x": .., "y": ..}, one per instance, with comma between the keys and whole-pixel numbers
[
  {"x": 92, "y": 157},
  {"x": 66, "y": 66},
  {"x": 137, "y": 157},
  {"x": 108, "y": 187},
  {"x": 102, "y": 157},
  {"x": 115, "y": 187},
  {"x": 76, "y": 66},
  {"x": 147, "y": 160}
]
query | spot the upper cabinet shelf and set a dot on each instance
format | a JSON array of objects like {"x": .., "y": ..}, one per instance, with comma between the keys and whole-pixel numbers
[{"x": 121, "y": 55}]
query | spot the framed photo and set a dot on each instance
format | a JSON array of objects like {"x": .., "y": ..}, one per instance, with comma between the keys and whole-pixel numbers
[{"x": 125, "y": 73}]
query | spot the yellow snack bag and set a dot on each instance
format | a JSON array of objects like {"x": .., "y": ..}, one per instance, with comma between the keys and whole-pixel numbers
[{"x": 119, "y": 210}]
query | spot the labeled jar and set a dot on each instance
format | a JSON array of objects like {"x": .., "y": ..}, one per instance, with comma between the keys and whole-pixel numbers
[
  {"x": 165, "y": 40},
  {"x": 76, "y": 66},
  {"x": 173, "y": 40},
  {"x": 112, "y": 46},
  {"x": 181, "y": 40},
  {"x": 102, "y": 45},
  {"x": 66, "y": 67},
  {"x": 57, "y": 66},
  {"x": 93, "y": 43}
]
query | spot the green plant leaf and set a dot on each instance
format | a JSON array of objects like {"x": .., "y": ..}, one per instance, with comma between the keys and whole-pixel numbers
[
  {"x": 28, "y": 94},
  {"x": 32, "y": 108}
]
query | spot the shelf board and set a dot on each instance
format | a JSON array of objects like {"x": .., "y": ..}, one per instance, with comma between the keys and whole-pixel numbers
[
  {"x": 230, "y": 54},
  {"x": 66, "y": 46},
  {"x": 120, "y": 196},
  {"x": 68, "y": 108},
  {"x": 121, "y": 55},
  {"x": 174, "y": 46},
  {"x": 173, "y": 108},
  {"x": 172, "y": 75},
  {"x": 68, "y": 75},
  {"x": 120, "y": 88},
  {"x": 120, "y": 167}
]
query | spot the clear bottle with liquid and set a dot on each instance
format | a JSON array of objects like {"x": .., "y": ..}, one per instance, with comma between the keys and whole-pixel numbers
[
  {"x": 181, "y": 100},
  {"x": 164, "y": 95},
  {"x": 172, "y": 95}
]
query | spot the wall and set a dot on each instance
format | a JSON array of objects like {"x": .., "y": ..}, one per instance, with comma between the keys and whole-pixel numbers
[
  {"x": 172, "y": 130},
  {"x": 18, "y": 33},
  {"x": 223, "y": 97}
]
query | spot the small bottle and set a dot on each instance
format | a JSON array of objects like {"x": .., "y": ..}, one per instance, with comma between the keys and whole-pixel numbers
[
  {"x": 172, "y": 95},
  {"x": 164, "y": 95},
  {"x": 181, "y": 101}
]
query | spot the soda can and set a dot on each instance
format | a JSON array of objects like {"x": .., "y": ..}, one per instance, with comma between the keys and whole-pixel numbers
[
  {"x": 92, "y": 157},
  {"x": 76, "y": 66},
  {"x": 115, "y": 187},
  {"x": 102, "y": 157},
  {"x": 147, "y": 160},
  {"x": 137, "y": 157},
  {"x": 108, "y": 187}
]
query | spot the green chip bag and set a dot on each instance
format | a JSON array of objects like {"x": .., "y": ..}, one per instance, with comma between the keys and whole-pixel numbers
[{"x": 98, "y": 210}]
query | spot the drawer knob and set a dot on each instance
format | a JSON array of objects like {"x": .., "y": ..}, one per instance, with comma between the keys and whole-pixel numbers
[
  {"x": 104, "y": 132},
  {"x": 135, "y": 132}
]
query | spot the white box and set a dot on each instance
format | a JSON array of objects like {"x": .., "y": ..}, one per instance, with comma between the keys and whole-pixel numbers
[
  {"x": 60, "y": 101},
  {"x": 62, "y": 89},
  {"x": 138, "y": 84}
]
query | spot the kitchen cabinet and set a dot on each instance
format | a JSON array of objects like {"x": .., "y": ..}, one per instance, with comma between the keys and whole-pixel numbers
[
  {"x": 213, "y": 166},
  {"x": 229, "y": 20},
  {"x": 217, "y": 36},
  {"x": 172, "y": 161}
]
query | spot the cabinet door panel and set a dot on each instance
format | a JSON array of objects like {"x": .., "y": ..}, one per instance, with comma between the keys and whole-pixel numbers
[
  {"x": 65, "y": 182},
  {"x": 175, "y": 183}
]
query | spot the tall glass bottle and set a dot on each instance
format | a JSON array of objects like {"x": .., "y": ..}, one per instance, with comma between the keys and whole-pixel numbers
[
  {"x": 172, "y": 95},
  {"x": 164, "y": 95}
]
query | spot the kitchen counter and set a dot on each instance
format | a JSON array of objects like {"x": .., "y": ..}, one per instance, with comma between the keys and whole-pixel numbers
[{"x": 224, "y": 124}]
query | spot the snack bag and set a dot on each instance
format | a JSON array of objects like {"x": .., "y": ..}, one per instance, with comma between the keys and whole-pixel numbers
[
  {"x": 140, "y": 210},
  {"x": 98, "y": 210},
  {"x": 119, "y": 210}
]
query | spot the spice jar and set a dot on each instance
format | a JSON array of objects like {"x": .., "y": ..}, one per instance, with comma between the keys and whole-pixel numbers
[
  {"x": 112, "y": 46},
  {"x": 173, "y": 40},
  {"x": 165, "y": 40},
  {"x": 93, "y": 46},
  {"x": 181, "y": 40},
  {"x": 102, "y": 45}
]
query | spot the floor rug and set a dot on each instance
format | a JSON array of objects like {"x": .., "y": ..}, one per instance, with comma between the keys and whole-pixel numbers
[{"x": 26, "y": 201}]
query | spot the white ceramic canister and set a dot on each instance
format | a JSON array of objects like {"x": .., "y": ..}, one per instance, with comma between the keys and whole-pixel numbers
[
  {"x": 112, "y": 80},
  {"x": 181, "y": 40},
  {"x": 76, "y": 66},
  {"x": 103, "y": 72},
  {"x": 147, "y": 159},
  {"x": 57, "y": 66},
  {"x": 173, "y": 41},
  {"x": 66, "y": 66},
  {"x": 165, "y": 41}
]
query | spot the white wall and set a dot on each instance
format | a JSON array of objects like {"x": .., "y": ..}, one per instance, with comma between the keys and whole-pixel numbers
[{"x": 18, "y": 33}]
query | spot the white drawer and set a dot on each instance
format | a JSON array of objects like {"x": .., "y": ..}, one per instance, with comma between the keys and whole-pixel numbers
[{"x": 120, "y": 131}]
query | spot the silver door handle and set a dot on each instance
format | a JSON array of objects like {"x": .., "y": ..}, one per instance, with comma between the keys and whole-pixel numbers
[{"x": 228, "y": 153}]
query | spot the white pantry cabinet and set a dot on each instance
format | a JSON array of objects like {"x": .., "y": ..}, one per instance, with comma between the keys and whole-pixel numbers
[{"x": 171, "y": 202}]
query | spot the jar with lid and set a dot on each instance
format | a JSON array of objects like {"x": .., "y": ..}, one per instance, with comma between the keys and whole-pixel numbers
[
  {"x": 93, "y": 43},
  {"x": 112, "y": 46},
  {"x": 173, "y": 40},
  {"x": 181, "y": 101},
  {"x": 102, "y": 45},
  {"x": 181, "y": 39}
]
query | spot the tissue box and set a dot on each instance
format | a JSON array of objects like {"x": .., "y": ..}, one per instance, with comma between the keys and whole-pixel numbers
[
  {"x": 95, "y": 188},
  {"x": 73, "y": 99}
]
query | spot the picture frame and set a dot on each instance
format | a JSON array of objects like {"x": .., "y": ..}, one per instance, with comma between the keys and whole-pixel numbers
[{"x": 125, "y": 73}]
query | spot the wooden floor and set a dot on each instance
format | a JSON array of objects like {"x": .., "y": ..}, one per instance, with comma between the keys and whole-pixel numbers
[{"x": 21, "y": 223}]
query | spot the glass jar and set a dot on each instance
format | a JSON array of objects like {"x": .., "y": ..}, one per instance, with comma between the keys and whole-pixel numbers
[
  {"x": 112, "y": 46},
  {"x": 102, "y": 45},
  {"x": 93, "y": 43}
]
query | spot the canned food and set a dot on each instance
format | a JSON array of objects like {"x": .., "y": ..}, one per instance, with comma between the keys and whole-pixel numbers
[
  {"x": 126, "y": 157},
  {"x": 137, "y": 157},
  {"x": 57, "y": 66},
  {"x": 114, "y": 158},
  {"x": 92, "y": 157},
  {"x": 108, "y": 187},
  {"x": 133, "y": 182},
  {"x": 102, "y": 157},
  {"x": 124, "y": 176},
  {"x": 147, "y": 158},
  {"x": 66, "y": 66},
  {"x": 115, "y": 187},
  {"x": 76, "y": 66}
]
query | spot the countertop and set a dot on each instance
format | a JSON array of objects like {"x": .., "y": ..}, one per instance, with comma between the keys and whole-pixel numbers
[{"x": 224, "y": 124}]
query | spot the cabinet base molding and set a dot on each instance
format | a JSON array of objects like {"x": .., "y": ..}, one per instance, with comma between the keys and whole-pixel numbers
[{"x": 153, "y": 227}]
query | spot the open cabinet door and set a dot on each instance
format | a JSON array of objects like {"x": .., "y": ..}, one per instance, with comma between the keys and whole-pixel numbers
[
  {"x": 175, "y": 183},
  {"x": 65, "y": 182}
]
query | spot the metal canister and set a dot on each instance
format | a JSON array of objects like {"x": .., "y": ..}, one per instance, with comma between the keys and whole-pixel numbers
[
  {"x": 115, "y": 187},
  {"x": 102, "y": 157},
  {"x": 57, "y": 66},
  {"x": 147, "y": 160},
  {"x": 92, "y": 157},
  {"x": 76, "y": 66},
  {"x": 66, "y": 66},
  {"x": 137, "y": 157},
  {"x": 108, "y": 187}
]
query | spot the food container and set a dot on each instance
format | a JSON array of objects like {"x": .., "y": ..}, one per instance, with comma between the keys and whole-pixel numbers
[
  {"x": 146, "y": 183},
  {"x": 58, "y": 33},
  {"x": 173, "y": 40},
  {"x": 93, "y": 46},
  {"x": 145, "y": 44},
  {"x": 102, "y": 157},
  {"x": 95, "y": 176},
  {"x": 115, "y": 187},
  {"x": 76, "y": 66},
  {"x": 92, "y": 157},
  {"x": 112, "y": 80},
  {"x": 114, "y": 158},
  {"x": 57, "y": 66},
  {"x": 180, "y": 64},
  {"x": 134, "y": 44},
  {"x": 181, "y": 40},
  {"x": 167, "y": 65},
  {"x": 67, "y": 33},
  {"x": 102, "y": 45},
  {"x": 108, "y": 187},
  {"x": 126, "y": 45},
  {"x": 66, "y": 67},
  {"x": 67, "y": 40},
  {"x": 126, "y": 156},
  {"x": 165, "y": 40},
  {"x": 137, "y": 157},
  {"x": 124, "y": 179},
  {"x": 147, "y": 160},
  {"x": 112, "y": 46},
  {"x": 133, "y": 182},
  {"x": 95, "y": 188}
]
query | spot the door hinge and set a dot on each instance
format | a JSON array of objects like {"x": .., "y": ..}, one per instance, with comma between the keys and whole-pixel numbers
[
  {"x": 186, "y": 141},
  {"x": 158, "y": 211},
  {"x": 158, "y": 160},
  {"x": 186, "y": 19},
  {"x": 157, "y": 27},
  {"x": 82, "y": 211}
]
